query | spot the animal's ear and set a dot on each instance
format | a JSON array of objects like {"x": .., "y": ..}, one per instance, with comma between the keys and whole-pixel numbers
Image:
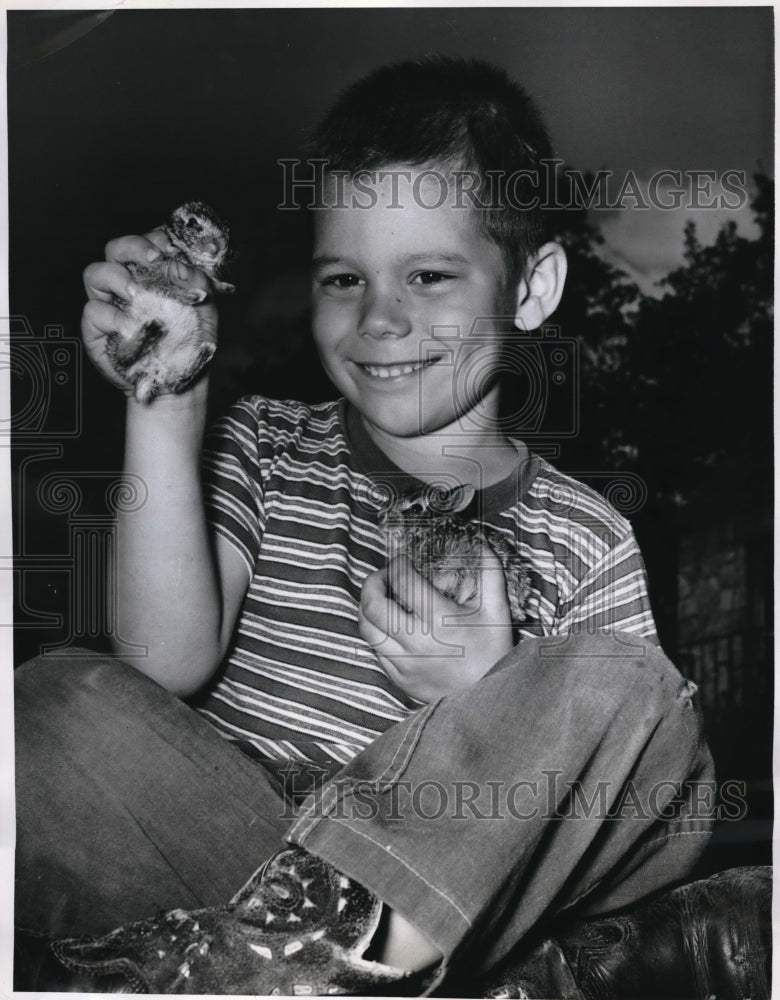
[{"x": 451, "y": 501}]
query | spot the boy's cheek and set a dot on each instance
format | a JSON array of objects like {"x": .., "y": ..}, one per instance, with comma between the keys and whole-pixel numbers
[
  {"x": 329, "y": 319},
  {"x": 321, "y": 334}
]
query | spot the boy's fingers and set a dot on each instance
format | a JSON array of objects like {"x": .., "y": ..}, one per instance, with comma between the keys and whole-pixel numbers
[
  {"x": 375, "y": 586},
  {"x": 374, "y": 600},
  {"x": 370, "y": 632},
  {"x": 99, "y": 321},
  {"x": 147, "y": 249},
  {"x": 139, "y": 249},
  {"x": 160, "y": 239},
  {"x": 493, "y": 596},
  {"x": 101, "y": 318},
  {"x": 413, "y": 591},
  {"x": 184, "y": 276},
  {"x": 106, "y": 282},
  {"x": 377, "y": 637},
  {"x": 380, "y": 616},
  {"x": 425, "y": 602}
]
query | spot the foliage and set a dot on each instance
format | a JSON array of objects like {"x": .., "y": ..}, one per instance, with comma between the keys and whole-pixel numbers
[
  {"x": 703, "y": 356},
  {"x": 681, "y": 387},
  {"x": 597, "y": 310}
]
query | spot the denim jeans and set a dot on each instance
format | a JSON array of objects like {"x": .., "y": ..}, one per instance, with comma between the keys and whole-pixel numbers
[{"x": 572, "y": 779}]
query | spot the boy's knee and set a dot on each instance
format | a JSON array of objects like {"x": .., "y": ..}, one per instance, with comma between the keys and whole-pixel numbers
[
  {"x": 603, "y": 675},
  {"x": 636, "y": 675},
  {"x": 64, "y": 687},
  {"x": 51, "y": 675},
  {"x": 615, "y": 661}
]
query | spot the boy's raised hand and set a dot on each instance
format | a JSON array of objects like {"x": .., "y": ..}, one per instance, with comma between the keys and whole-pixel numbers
[
  {"x": 428, "y": 645},
  {"x": 109, "y": 280}
]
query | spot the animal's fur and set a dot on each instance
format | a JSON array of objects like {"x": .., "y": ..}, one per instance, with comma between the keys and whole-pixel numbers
[
  {"x": 168, "y": 348},
  {"x": 447, "y": 548}
]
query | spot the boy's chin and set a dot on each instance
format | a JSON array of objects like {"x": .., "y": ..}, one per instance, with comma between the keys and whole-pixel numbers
[
  {"x": 397, "y": 427},
  {"x": 397, "y": 424}
]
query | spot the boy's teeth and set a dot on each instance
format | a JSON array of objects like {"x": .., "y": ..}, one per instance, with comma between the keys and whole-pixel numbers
[{"x": 391, "y": 371}]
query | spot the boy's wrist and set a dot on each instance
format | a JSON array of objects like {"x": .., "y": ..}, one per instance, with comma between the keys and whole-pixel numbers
[
  {"x": 194, "y": 398},
  {"x": 170, "y": 425}
]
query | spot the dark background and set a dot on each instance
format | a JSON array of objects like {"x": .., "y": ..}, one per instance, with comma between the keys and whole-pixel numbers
[{"x": 113, "y": 120}]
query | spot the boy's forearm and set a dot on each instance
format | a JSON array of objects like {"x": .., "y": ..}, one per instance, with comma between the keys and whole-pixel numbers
[{"x": 168, "y": 589}]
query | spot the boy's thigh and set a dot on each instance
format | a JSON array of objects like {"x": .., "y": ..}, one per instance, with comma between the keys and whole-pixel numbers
[{"x": 127, "y": 800}]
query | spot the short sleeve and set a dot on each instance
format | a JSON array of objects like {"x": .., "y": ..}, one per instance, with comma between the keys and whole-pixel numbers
[
  {"x": 232, "y": 480},
  {"x": 612, "y": 596}
]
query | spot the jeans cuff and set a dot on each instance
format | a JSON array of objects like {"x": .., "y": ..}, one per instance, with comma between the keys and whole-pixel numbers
[{"x": 380, "y": 868}]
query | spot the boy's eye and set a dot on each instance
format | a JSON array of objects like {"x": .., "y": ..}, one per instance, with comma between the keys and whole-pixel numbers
[
  {"x": 341, "y": 281},
  {"x": 430, "y": 278}
]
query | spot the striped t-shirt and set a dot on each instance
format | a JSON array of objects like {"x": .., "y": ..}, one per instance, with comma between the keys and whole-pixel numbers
[{"x": 299, "y": 490}]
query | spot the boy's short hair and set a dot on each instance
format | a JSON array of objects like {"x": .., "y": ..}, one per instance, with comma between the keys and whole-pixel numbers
[{"x": 451, "y": 114}]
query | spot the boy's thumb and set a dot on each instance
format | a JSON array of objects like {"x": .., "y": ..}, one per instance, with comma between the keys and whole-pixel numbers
[{"x": 493, "y": 590}]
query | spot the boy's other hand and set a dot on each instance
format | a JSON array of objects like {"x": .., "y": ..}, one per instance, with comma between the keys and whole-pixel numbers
[
  {"x": 428, "y": 645},
  {"x": 108, "y": 284}
]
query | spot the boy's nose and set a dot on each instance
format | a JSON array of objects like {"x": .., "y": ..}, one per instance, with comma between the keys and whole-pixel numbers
[{"x": 384, "y": 315}]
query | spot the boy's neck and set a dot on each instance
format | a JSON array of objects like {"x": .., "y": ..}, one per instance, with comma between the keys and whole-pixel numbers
[{"x": 478, "y": 457}]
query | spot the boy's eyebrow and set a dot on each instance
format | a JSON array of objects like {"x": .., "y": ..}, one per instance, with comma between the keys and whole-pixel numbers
[
  {"x": 324, "y": 260},
  {"x": 439, "y": 256}
]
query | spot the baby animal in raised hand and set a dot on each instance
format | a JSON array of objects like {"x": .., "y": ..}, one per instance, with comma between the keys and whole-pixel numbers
[
  {"x": 168, "y": 346},
  {"x": 446, "y": 547}
]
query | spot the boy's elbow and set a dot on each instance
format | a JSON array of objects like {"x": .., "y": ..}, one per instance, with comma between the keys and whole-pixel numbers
[
  {"x": 180, "y": 683},
  {"x": 175, "y": 673},
  {"x": 183, "y": 691}
]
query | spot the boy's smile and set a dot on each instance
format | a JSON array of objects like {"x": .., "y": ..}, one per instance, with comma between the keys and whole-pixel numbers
[{"x": 397, "y": 288}]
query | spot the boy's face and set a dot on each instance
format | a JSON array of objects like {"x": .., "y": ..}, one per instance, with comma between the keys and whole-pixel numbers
[{"x": 397, "y": 288}]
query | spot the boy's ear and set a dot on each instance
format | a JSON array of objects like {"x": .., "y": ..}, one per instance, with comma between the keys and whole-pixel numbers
[{"x": 539, "y": 290}]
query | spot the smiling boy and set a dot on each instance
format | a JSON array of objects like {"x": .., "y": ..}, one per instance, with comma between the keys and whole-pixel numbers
[
  {"x": 386, "y": 279},
  {"x": 449, "y": 751}
]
